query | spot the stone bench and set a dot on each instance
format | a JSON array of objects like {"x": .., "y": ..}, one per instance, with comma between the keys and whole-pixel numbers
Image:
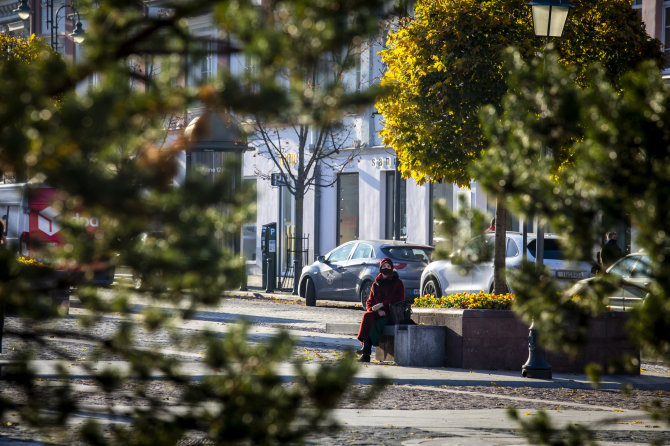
[{"x": 413, "y": 345}]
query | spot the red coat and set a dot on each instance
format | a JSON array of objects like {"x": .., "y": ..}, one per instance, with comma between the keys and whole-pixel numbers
[{"x": 386, "y": 291}]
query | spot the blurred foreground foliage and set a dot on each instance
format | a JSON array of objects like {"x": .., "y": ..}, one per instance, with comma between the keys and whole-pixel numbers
[
  {"x": 102, "y": 132},
  {"x": 619, "y": 140},
  {"x": 620, "y": 167}
]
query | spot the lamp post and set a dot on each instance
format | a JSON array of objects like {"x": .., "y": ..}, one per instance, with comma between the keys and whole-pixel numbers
[
  {"x": 24, "y": 11},
  {"x": 52, "y": 22},
  {"x": 549, "y": 18}
]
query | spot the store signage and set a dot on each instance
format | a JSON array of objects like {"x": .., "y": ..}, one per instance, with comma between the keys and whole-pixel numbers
[
  {"x": 384, "y": 162},
  {"x": 292, "y": 159}
]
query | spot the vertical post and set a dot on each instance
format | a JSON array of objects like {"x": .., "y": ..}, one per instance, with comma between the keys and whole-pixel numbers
[
  {"x": 2, "y": 322},
  {"x": 539, "y": 245},
  {"x": 396, "y": 201},
  {"x": 536, "y": 366},
  {"x": 296, "y": 265},
  {"x": 270, "y": 276},
  {"x": 317, "y": 210},
  {"x": 524, "y": 238},
  {"x": 539, "y": 240}
]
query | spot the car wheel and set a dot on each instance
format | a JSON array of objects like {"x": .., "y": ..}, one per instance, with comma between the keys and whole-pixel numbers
[
  {"x": 310, "y": 293},
  {"x": 431, "y": 287},
  {"x": 366, "y": 287}
]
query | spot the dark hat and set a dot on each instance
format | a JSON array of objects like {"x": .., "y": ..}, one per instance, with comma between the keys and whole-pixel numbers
[{"x": 385, "y": 263}]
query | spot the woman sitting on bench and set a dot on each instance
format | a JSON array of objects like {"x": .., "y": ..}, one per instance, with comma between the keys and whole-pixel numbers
[{"x": 386, "y": 290}]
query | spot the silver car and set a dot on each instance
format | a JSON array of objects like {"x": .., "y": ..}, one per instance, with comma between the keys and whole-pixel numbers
[
  {"x": 347, "y": 272},
  {"x": 634, "y": 270},
  {"x": 443, "y": 278}
]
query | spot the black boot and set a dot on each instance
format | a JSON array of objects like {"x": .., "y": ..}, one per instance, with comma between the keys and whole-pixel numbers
[{"x": 365, "y": 351}]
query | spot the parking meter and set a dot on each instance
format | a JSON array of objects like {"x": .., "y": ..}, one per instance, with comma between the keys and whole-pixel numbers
[{"x": 269, "y": 255}]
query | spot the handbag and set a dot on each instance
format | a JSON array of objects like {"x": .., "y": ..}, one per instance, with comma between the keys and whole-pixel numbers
[{"x": 400, "y": 313}]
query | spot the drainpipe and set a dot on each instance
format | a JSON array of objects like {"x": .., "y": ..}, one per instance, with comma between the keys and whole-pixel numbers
[
  {"x": 317, "y": 210},
  {"x": 396, "y": 202}
]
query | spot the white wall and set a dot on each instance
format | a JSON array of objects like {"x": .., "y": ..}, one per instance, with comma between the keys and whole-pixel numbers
[{"x": 418, "y": 212}]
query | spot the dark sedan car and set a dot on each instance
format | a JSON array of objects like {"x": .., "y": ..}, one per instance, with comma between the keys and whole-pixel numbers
[{"x": 347, "y": 272}]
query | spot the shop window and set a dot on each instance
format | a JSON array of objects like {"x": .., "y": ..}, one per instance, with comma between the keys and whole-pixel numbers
[
  {"x": 391, "y": 202},
  {"x": 347, "y": 207},
  {"x": 442, "y": 193}
]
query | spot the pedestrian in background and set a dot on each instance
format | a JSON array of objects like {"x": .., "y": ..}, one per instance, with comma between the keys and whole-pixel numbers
[
  {"x": 610, "y": 252},
  {"x": 492, "y": 228},
  {"x": 387, "y": 289}
]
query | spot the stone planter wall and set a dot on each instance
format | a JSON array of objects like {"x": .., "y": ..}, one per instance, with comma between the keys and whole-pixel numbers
[{"x": 497, "y": 340}]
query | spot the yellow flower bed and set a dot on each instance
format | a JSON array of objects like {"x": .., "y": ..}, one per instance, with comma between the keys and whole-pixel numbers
[
  {"x": 480, "y": 301},
  {"x": 29, "y": 261}
]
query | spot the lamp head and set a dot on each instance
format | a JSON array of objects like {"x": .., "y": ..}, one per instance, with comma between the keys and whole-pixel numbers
[
  {"x": 24, "y": 10},
  {"x": 78, "y": 34},
  {"x": 549, "y": 17}
]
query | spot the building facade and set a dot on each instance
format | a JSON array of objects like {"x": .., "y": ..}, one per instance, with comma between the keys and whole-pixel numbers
[
  {"x": 366, "y": 200},
  {"x": 363, "y": 196}
]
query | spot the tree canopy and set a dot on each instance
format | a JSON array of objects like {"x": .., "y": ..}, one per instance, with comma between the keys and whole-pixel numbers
[{"x": 446, "y": 62}]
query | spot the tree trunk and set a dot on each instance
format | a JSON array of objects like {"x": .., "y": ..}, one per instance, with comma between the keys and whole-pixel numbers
[
  {"x": 499, "y": 281},
  {"x": 297, "y": 235}
]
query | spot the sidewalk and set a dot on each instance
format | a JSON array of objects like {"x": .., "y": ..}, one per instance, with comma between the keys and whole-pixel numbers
[
  {"x": 489, "y": 426},
  {"x": 416, "y": 376}
]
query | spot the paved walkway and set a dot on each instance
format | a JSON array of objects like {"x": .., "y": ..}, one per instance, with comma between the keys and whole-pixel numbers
[
  {"x": 486, "y": 426},
  {"x": 463, "y": 427},
  {"x": 491, "y": 426}
]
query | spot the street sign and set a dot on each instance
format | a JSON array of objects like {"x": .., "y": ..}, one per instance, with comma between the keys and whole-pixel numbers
[{"x": 278, "y": 179}]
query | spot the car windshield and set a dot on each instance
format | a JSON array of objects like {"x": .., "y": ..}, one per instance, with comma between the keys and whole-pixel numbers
[
  {"x": 624, "y": 267},
  {"x": 408, "y": 253},
  {"x": 552, "y": 249},
  {"x": 642, "y": 268}
]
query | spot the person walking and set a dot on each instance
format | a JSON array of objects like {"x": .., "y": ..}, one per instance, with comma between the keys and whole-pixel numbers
[
  {"x": 387, "y": 289},
  {"x": 492, "y": 228},
  {"x": 610, "y": 252}
]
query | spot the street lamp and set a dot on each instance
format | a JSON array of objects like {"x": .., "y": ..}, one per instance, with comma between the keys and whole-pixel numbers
[
  {"x": 52, "y": 22},
  {"x": 23, "y": 10},
  {"x": 78, "y": 33},
  {"x": 549, "y": 18}
]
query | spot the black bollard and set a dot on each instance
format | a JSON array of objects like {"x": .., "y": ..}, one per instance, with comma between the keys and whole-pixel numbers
[
  {"x": 536, "y": 366},
  {"x": 270, "y": 282},
  {"x": 296, "y": 277}
]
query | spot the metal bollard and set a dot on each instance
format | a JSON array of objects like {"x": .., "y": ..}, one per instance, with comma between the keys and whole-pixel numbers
[
  {"x": 270, "y": 278},
  {"x": 536, "y": 366},
  {"x": 296, "y": 277}
]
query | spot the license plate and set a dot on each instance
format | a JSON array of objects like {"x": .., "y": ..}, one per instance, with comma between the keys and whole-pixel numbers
[
  {"x": 415, "y": 292},
  {"x": 569, "y": 274}
]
